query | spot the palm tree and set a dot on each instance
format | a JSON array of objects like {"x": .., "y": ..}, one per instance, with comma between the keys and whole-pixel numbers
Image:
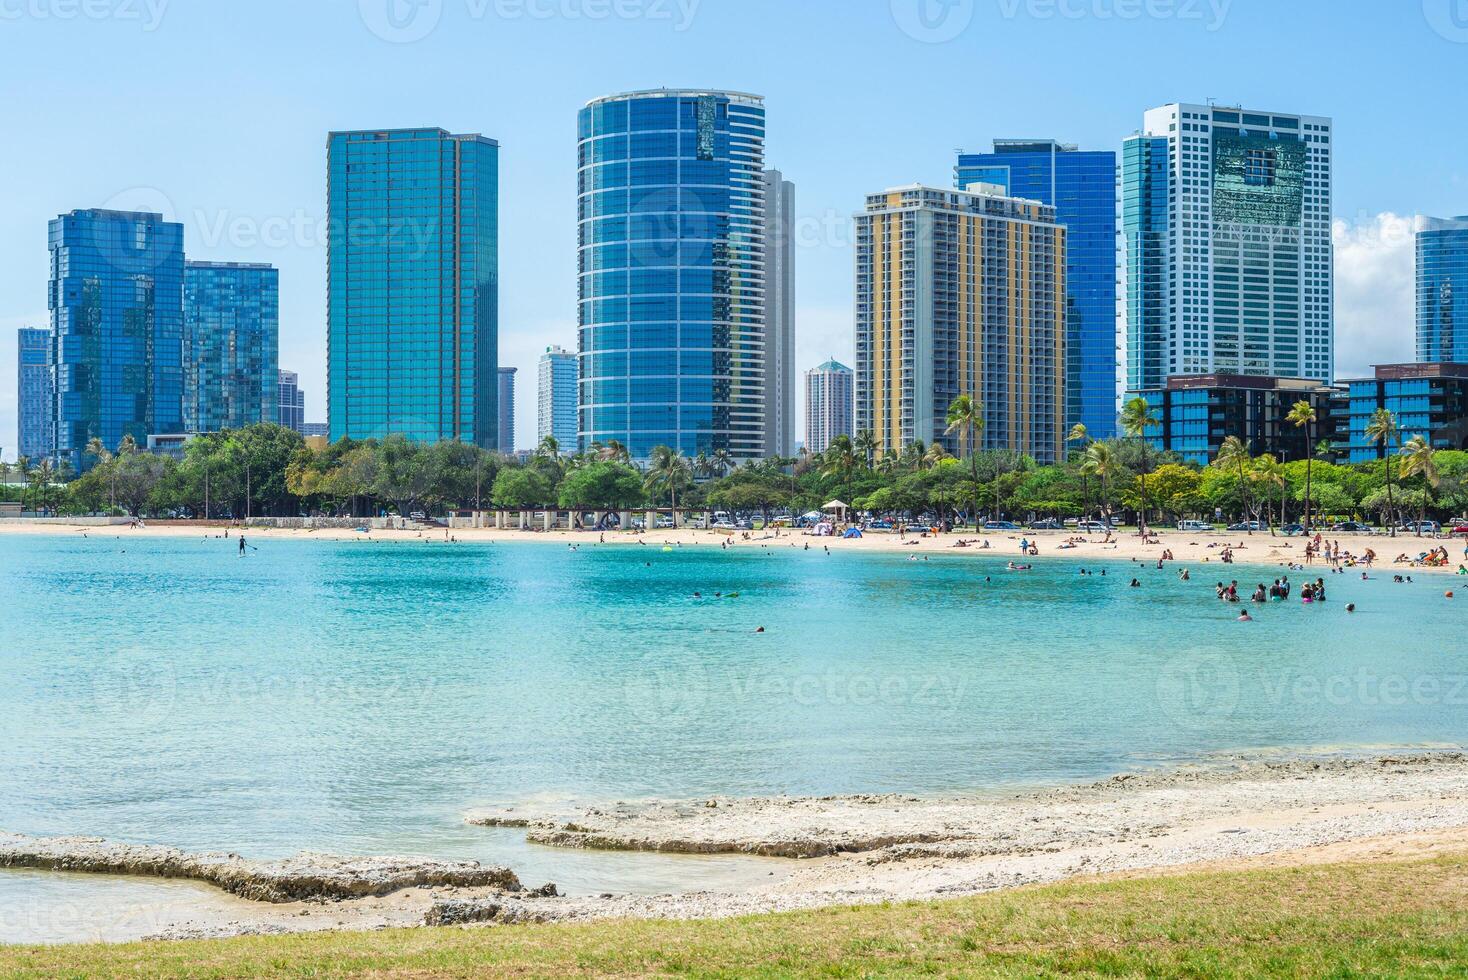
[
  {"x": 841, "y": 461},
  {"x": 1303, "y": 416},
  {"x": 866, "y": 444},
  {"x": 965, "y": 418},
  {"x": 1384, "y": 432},
  {"x": 1136, "y": 418},
  {"x": 1235, "y": 453},
  {"x": 722, "y": 461},
  {"x": 668, "y": 471},
  {"x": 1268, "y": 471},
  {"x": 1419, "y": 459},
  {"x": 1100, "y": 461},
  {"x": 23, "y": 471},
  {"x": 613, "y": 451},
  {"x": 1079, "y": 433},
  {"x": 549, "y": 448},
  {"x": 935, "y": 455},
  {"x": 97, "y": 450}
]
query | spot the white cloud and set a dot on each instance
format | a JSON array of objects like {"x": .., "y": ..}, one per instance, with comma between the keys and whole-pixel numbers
[{"x": 1375, "y": 295}]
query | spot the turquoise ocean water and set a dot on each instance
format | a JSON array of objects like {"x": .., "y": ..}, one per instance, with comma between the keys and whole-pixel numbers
[{"x": 360, "y": 697}]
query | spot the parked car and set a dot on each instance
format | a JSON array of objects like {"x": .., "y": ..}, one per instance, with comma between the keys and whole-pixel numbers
[
  {"x": 1352, "y": 527},
  {"x": 1194, "y": 527},
  {"x": 1091, "y": 527},
  {"x": 1294, "y": 530},
  {"x": 1422, "y": 527},
  {"x": 1002, "y": 526},
  {"x": 1047, "y": 525},
  {"x": 1248, "y": 526}
]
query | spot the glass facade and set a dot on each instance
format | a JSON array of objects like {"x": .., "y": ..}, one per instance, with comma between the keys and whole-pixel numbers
[
  {"x": 1081, "y": 186},
  {"x": 116, "y": 301},
  {"x": 1442, "y": 277},
  {"x": 556, "y": 405},
  {"x": 1199, "y": 413},
  {"x": 413, "y": 286},
  {"x": 671, "y": 272},
  {"x": 231, "y": 377},
  {"x": 1145, "y": 191},
  {"x": 1229, "y": 255},
  {"x": 35, "y": 394},
  {"x": 1428, "y": 400}
]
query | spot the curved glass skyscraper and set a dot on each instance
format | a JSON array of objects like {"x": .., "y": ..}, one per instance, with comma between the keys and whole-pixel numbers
[
  {"x": 1442, "y": 290},
  {"x": 672, "y": 255}
]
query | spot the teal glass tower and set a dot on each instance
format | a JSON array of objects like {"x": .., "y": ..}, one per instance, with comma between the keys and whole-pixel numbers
[
  {"x": 116, "y": 301},
  {"x": 231, "y": 345},
  {"x": 1081, "y": 186},
  {"x": 1442, "y": 290},
  {"x": 672, "y": 272},
  {"x": 413, "y": 286}
]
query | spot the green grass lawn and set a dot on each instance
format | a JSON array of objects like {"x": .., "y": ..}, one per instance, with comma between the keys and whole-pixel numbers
[{"x": 1377, "y": 919}]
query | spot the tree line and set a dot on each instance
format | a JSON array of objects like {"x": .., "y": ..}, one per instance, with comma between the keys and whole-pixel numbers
[{"x": 266, "y": 470}]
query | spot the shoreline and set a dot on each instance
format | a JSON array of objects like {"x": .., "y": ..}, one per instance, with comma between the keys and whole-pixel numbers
[
  {"x": 1189, "y": 549},
  {"x": 1234, "y": 811}
]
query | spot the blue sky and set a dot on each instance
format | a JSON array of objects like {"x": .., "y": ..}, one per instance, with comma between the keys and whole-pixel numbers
[{"x": 217, "y": 113}]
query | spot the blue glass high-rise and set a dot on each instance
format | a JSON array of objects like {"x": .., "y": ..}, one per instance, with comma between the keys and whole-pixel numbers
[
  {"x": 1081, "y": 186},
  {"x": 672, "y": 272},
  {"x": 35, "y": 393},
  {"x": 1442, "y": 290},
  {"x": 231, "y": 344},
  {"x": 413, "y": 286},
  {"x": 116, "y": 301},
  {"x": 1147, "y": 184}
]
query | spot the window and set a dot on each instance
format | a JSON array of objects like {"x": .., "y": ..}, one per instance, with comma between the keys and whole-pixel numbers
[{"x": 1259, "y": 168}]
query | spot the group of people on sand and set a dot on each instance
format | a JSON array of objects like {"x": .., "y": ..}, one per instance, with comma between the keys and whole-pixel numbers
[
  {"x": 1436, "y": 558},
  {"x": 1334, "y": 555}
]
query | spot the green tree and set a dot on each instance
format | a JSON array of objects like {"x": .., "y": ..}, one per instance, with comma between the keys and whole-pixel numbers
[
  {"x": 966, "y": 418},
  {"x": 1137, "y": 418},
  {"x": 1234, "y": 455},
  {"x": 1303, "y": 416},
  {"x": 520, "y": 488},
  {"x": 1382, "y": 430},
  {"x": 1419, "y": 459},
  {"x": 602, "y": 486},
  {"x": 668, "y": 473},
  {"x": 1101, "y": 462}
]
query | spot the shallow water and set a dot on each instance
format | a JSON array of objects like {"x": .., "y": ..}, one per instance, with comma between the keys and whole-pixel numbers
[{"x": 359, "y": 697}]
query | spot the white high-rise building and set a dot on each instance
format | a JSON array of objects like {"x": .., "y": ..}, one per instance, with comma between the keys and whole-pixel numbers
[
  {"x": 779, "y": 389},
  {"x": 556, "y": 405},
  {"x": 830, "y": 404},
  {"x": 1227, "y": 244}
]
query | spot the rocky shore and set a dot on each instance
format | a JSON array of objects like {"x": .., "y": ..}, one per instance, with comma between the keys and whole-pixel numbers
[
  {"x": 852, "y": 850},
  {"x": 305, "y": 877}
]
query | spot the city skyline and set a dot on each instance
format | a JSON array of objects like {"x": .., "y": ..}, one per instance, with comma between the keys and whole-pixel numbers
[{"x": 262, "y": 199}]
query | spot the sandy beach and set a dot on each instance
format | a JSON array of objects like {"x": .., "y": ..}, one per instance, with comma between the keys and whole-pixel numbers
[
  {"x": 1238, "y": 811},
  {"x": 1187, "y": 549}
]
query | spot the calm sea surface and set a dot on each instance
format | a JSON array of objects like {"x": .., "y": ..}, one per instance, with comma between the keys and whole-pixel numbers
[{"x": 360, "y": 697}]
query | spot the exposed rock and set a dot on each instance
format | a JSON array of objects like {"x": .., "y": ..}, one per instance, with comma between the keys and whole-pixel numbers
[{"x": 300, "y": 878}]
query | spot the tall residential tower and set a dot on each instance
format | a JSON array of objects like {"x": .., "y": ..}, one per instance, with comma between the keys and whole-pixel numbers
[
  {"x": 116, "y": 300},
  {"x": 1081, "y": 186},
  {"x": 35, "y": 393},
  {"x": 231, "y": 340},
  {"x": 1442, "y": 290},
  {"x": 961, "y": 293},
  {"x": 672, "y": 270},
  {"x": 413, "y": 286},
  {"x": 556, "y": 398},
  {"x": 779, "y": 315},
  {"x": 1227, "y": 239},
  {"x": 507, "y": 409},
  {"x": 830, "y": 393}
]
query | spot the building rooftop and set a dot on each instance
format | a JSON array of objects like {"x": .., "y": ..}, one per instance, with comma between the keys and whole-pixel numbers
[
  {"x": 1255, "y": 382},
  {"x": 681, "y": 93},
  {"x": 1409, "y": 372},
  {"x": 833, "y": 365}
]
